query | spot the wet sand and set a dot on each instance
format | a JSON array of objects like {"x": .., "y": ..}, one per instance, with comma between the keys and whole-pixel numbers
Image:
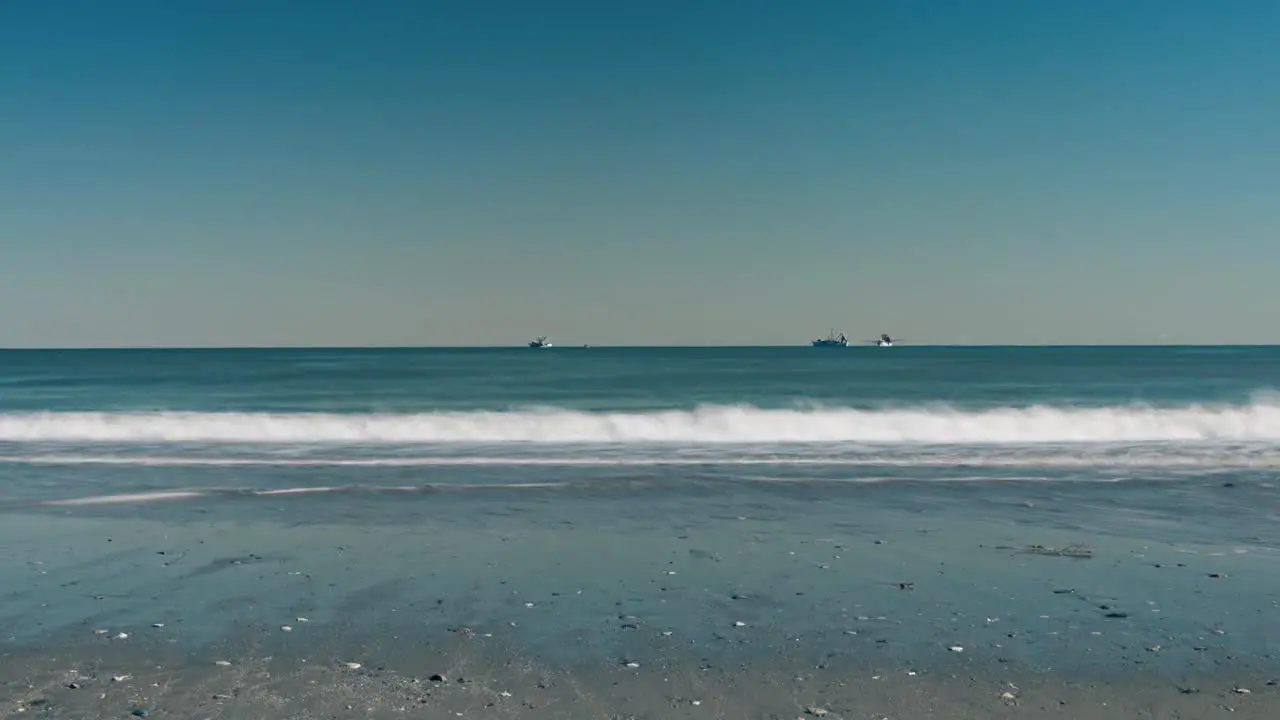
[{"x": 873, "y": 601}]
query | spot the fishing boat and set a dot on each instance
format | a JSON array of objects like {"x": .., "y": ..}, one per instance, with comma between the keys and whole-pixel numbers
[
  {"x": 540, "y": 342},
  {"x": 831, "y": 340}
]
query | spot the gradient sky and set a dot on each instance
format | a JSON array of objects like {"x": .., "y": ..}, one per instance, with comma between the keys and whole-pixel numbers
[{"x": 411, "y": 172}]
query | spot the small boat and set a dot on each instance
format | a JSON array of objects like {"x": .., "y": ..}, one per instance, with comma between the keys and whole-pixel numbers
[
  {"x": 831, "y": 340},
  {"x": 540, "y": 342},
  {"x": 884, "y": 341}
]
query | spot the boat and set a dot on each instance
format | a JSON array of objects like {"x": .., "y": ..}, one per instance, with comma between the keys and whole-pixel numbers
[
  {"x": 540, "y": 342},
  {"x": 831, "y": 340},
  {"x": 884, "y": 341}
]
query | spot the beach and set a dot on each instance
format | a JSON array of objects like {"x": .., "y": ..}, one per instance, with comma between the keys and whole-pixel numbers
[
  {"x": 160, "y": 564},
  {"x": 639, "y": 361},
  {"x": 862, "y": 600}
]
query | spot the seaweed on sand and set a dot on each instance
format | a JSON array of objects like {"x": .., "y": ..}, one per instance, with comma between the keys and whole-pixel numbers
[{"x": 1074, "y": 550}]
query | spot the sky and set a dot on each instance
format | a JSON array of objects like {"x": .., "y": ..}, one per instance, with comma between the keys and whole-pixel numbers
[{"x": 638, "y": 172}]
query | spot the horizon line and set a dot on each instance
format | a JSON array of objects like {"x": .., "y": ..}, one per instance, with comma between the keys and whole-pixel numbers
[{"x": 522, "y": 346}]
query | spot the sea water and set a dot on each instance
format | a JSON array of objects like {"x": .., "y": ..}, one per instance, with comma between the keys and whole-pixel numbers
[{"x": 1055, "y": 509}]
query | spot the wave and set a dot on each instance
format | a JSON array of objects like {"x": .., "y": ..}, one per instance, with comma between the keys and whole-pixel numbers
[
  {"x": 1230, "y": 459},
  {"x": 715, "y": 424}
]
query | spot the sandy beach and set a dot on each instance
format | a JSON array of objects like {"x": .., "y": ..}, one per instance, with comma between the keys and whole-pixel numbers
[
  {"x": 853, "y": 601},
  {"x": 472, "y": 682}
]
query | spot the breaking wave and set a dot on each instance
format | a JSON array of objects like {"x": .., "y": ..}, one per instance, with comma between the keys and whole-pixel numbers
[{"x": 715, "y": 424}]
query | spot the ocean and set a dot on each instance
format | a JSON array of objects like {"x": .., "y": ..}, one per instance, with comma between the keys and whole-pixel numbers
[{"x": 640, "y": 532}]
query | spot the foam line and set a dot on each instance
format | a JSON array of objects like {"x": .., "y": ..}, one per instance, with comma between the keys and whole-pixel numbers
[
  {"x": 129, "y": 498},
  {"x": 1223, "y": 459}
]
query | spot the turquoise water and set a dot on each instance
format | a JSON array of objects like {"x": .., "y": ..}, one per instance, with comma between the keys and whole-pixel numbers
[
  {"x": 551, "y": 494},
  {"x": 411, "y": 380},
  {"x": 133, "y": 421}
]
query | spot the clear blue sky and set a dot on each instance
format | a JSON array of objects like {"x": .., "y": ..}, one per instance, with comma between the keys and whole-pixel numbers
[{"x": 639, "y": 172}]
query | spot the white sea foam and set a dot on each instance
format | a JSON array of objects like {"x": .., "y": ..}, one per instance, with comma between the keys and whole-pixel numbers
[
  {"x": 1253, "y": 422},
  {"x": 130, "y": 498},
  {"x": 1226, "y": 458}
]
